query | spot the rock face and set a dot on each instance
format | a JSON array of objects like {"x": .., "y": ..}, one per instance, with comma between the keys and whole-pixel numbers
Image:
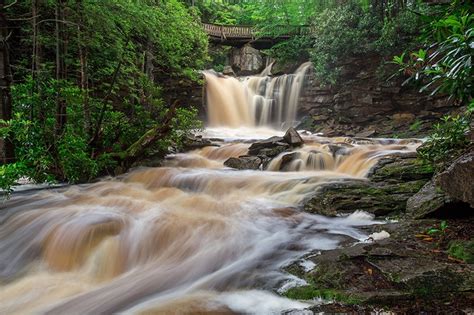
[
  {"x": 246, "y": 60},
  {"x": 390, "y": 184},
  {"x": 228, "y": 71},
  {"x": 363, "y": 104},
  {"x": 427, "y": 202},
  {"x": 458, "y": 180}
]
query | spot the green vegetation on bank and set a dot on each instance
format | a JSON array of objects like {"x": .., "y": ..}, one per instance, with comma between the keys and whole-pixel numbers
[
  {"x": 335, "y": 30},
  {"x": 87, "y": 83},
  {"x": 443, "y": 66}
]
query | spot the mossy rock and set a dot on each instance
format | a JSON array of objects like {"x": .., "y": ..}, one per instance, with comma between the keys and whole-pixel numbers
[
  {"x": 347, "y": 197},
  {"x": 310, "y": 292},
  {"x": 400, "y": 169}
]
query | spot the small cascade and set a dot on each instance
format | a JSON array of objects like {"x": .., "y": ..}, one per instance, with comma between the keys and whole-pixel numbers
[{"x": 253, "y": 101}]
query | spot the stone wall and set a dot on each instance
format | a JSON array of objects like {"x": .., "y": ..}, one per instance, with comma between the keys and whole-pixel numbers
[{"x": 365, "y": 105}]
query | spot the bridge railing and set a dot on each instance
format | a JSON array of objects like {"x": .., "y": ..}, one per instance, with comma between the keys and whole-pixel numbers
[{"x": 250, "y": 32}]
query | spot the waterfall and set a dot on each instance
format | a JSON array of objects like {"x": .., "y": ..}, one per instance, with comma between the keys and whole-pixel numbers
[{"x": 254, "y": 101}]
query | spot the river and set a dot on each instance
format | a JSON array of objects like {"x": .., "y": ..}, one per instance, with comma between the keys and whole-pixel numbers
[{"x": 192, "y": 236}]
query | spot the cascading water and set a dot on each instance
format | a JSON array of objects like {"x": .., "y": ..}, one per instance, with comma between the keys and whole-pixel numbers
[
  {"x": 191, "y": 237},
  {"x": 256, "y": 100}
]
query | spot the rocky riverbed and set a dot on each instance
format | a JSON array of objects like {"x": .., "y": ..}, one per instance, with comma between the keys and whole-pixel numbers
[{"x": 421, "y": 258}]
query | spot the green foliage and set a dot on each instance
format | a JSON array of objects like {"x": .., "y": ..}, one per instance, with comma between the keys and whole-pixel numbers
[
  {"x": 120, "y": 55},
  {"x": 441, "y": 229},
  {"x": 75, "y": 161},
  {"x": 44, "y": 156},
  {"x": 350, "y": 30},
  {"x": 447, "y": 138},
  {"x": 415, "y": 126},
  {"x": 397, "y": 32},
  {"x": 463, "y": 250},
  {"x": 293, "y": 50},
  {"x": 10, "y": 174},
  {"x": 339, "y": 33},
  {"x": 445, "y": 66}
]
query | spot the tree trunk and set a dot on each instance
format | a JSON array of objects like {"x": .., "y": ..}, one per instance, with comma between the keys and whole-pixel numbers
[
  {"x": 6, "y": 146},
  {"x": 34, "y": 40},
  {"x": 60, "y": 67},
  {"x": 83, "y": 66},
  {"x": 35, "y": 56}
]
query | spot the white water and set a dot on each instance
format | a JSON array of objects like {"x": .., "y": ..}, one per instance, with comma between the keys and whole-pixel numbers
[
  {"x": 255, "y": 100},
  {"x": 192, "y": 237},
  {"x": 186, "y": 237}
]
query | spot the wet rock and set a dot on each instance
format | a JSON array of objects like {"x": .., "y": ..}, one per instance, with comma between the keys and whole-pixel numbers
[
  {"x": 293, "y": 138},
  {"x": 270, "y": 147},
  {"x": 287, "y": 159},
  {"x": 426, "y": 202},
  {"x": 244, "y": 162},
  {"x": 400, "y": 168},
  {"x": 196, "y": 142},
  {"x": 228, "y": 71},
  {"x": 339, "y": 149},
  {"x": 458, "y": 179},
  {"x": 366, "y": 133},
  {"x": 392, "y": 181},
  {"x": 297, "y": 312},
  {"x": 403, "y": 118},
  {"x": 346, "y": 197}
]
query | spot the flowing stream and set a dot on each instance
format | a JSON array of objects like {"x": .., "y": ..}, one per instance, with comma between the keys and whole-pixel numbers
[{"x": 190, "y": 237}]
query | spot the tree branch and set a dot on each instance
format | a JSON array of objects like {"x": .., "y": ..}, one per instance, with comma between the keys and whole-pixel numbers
[{"x": 10, "y": 5}]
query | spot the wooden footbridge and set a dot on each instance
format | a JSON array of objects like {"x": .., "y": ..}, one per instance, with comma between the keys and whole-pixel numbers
[{"x": 239, "y": 35}]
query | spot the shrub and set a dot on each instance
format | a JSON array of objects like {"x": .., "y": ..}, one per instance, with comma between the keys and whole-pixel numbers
[{"x": 447, "y": 139}]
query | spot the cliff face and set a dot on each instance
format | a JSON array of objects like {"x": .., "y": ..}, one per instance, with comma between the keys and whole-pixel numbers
[{"x": 364, "y": 104}]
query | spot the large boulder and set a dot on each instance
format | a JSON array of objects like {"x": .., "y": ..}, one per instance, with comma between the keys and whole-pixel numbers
[
  {"x": 458, "y": 179},
  {"x": 293, "y": 138},
  {"x": 427, "y": 202}
]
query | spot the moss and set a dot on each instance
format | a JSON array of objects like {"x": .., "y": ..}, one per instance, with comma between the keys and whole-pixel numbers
[
  {"x": 309, "y": 292},
  {"x": 463, "y": 250},
  {"x": 402, "y": 188},
  {"x": 410, "y": 169}
]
